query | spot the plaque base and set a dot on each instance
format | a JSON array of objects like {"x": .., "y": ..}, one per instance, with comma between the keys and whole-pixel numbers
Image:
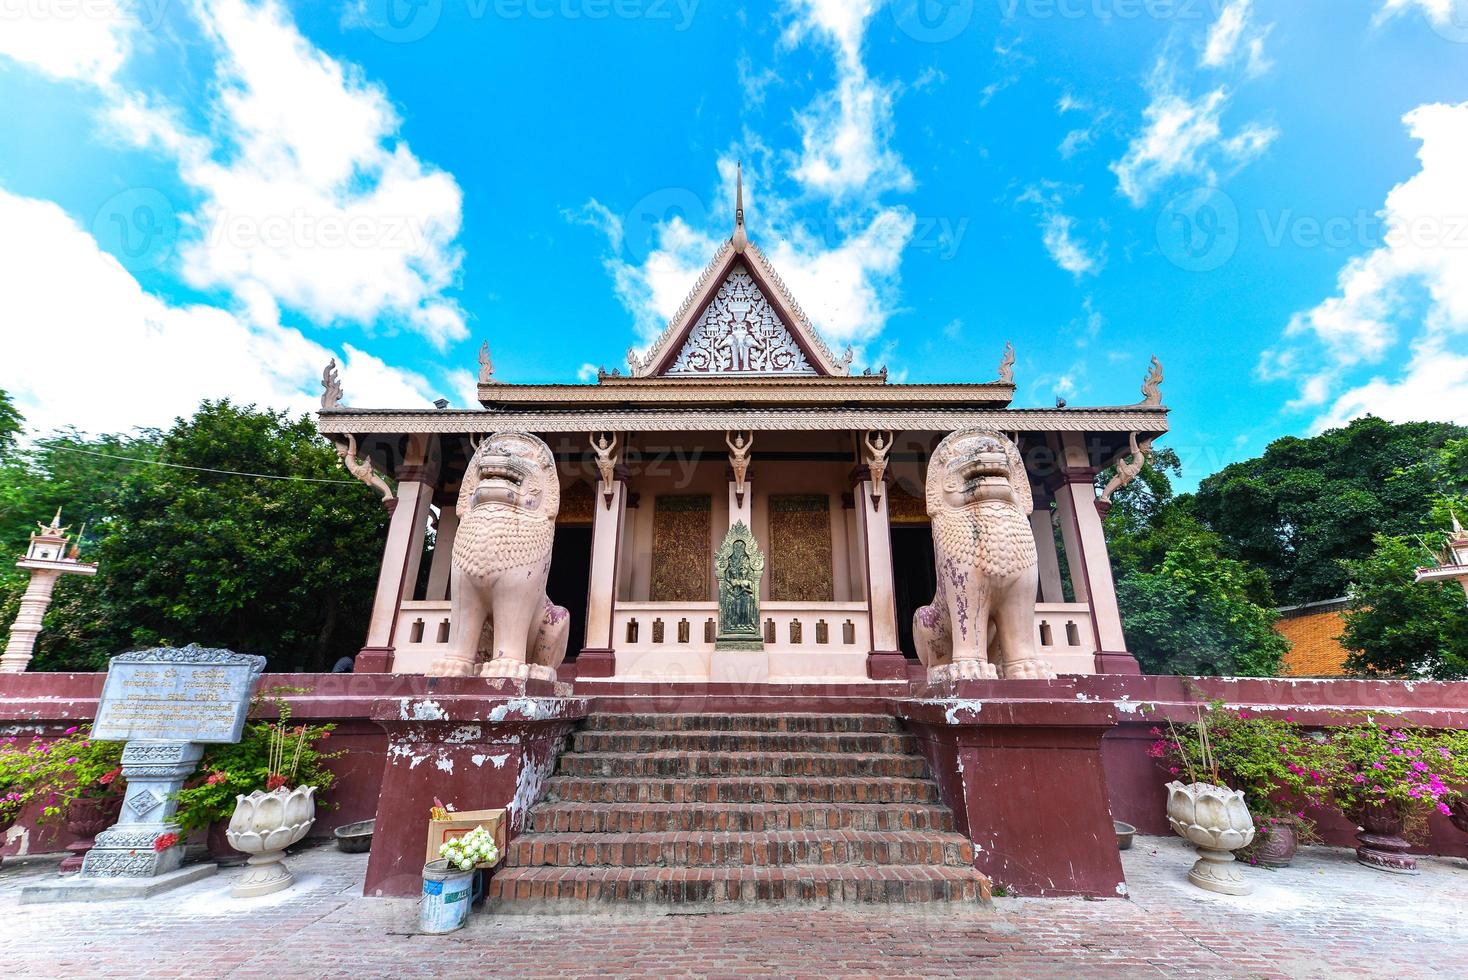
[{"x": 78, "y": 889}]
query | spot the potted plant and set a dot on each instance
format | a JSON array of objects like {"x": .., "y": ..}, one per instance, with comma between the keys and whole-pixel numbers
[
  {"x": 1273, "y": 762},
  {"x": 1388, "y": 779},
  {"x": 78, "y": 781},
  {"x": 1210, "y": 815},
  {"x": 265, "y": 785}
]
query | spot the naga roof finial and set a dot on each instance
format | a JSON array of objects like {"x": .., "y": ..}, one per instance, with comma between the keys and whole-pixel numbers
[{"x": 740, "y": 239}]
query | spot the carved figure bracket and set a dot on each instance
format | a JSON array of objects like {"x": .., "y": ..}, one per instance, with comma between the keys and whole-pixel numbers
[
  {"x": 879, "y": 444},
  {"x": 364, "y": 469},
  {"x": 1128, "y": 467},
  {"x": 605, "y": 446},
  {"x": 739, "y": 446},
  {"x": 1006, "y": 364},
  {"x": 486, "y": 366}
]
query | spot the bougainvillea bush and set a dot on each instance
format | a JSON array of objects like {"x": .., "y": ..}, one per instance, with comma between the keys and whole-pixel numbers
[
  {"x": 57, "y": 770},
  {"x": 1412, "y": 770},
  {"x": 1274, "y": 761}
]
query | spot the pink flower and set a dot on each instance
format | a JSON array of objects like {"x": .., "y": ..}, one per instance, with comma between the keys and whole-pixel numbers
[
  {"x": 1358, "y": 779},
  {"x": 1396, "y": 750},
  {"x": 1445, "y": 809},
  {"x": 1173, "y": 770},
  {"x": 70, "y": 731},
  {"x": 1377, "y": 765},
  {"x": 1243, "y": 712},
  {"x": 71, "y": 761}
]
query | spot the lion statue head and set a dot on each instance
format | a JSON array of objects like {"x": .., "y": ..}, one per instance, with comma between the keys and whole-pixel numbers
[
  {"x": 972, "y": 466},
  {"x": 508, "y": 502}
]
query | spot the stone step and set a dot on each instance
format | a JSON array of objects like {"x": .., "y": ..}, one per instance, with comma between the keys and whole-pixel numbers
[
  {"x": 636, "y": 818},
  {"x": 753, "y": 789},
  {"x": 690, "y": 765},
  {"x": 527, "y": 890},
  {"x": 650, "y": 740},
  {"x": 774, "y": 722},
  {"x": 712, "y": 850}
]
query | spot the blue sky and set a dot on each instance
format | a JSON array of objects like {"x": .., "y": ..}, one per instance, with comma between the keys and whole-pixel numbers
[{"x": 213, "y": 200}]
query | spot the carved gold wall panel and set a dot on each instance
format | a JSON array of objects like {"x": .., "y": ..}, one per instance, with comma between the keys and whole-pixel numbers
[
  {"x": 578, "y": 504},
  {"x": 800, "y": 548},
  {"x": 904, "y": 506},
  {"x": 681, "y": 556}
]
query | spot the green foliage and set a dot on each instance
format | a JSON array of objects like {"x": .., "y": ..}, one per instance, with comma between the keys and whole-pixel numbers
[
  {"x": 1272, "y": 760},
  {"x": 11, "y": 424},
  {"x": 1194, "y": 614},
  {"x": 1397, "y": 627},
  {"x": 1413, "y": 769},
  {"x": 284, "y": 568},
  {"x": 57, "y": 771},
  {"x": 1306, "y": 503},
  {"x": 240, "y": 769}
]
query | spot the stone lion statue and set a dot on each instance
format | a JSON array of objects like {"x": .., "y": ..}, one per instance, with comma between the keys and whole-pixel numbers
[
  {"x": 981, "y": 622},
  {"x": 507, "y": 520}
]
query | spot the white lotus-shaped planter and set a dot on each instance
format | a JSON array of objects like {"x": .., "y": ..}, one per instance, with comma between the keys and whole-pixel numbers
[
  {"x": 263, "y": 826},
  {"x": 1217, "y": 821}
]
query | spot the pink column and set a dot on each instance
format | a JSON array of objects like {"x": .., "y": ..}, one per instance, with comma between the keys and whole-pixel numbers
[
  {"x": 598, "y": 654},
  {"x": 401, "y": 555},
  {"x": 1078, "y": 493},
  {"x": 885, "y": 660}
]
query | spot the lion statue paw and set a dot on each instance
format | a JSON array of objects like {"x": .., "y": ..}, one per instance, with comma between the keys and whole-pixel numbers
[
  {"x": 1028, "y": 670},
  {"x": 964, "y": 670},
  {"x": 505, "y": 667},
  {"x": 451, "y": 667}
]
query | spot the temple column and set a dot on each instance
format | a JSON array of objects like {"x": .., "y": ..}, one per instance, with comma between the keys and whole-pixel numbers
[
  {"x": 598, "y": 656},
  {"x": 443, "y": 551},
  {"x": 401, "y": 555},
  {"x": 27, "y": 625},
  {"x": 885, "y": 660},
  {"x": 1043, "y": 524},
  {"x": 1089, "y": 562}
]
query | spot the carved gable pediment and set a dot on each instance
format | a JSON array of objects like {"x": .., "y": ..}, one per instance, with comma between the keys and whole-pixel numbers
[{"x": 739, "y": 332}]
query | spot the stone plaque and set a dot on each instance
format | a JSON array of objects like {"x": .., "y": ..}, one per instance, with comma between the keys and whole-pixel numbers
[{"x": 192, "y": 694}]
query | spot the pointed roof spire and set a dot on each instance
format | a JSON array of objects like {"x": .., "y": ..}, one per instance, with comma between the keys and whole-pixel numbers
[{"x": 740, "y": 239}]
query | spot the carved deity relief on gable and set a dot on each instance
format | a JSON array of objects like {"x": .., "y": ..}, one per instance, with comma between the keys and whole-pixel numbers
[{"x": 740, "y": 333}]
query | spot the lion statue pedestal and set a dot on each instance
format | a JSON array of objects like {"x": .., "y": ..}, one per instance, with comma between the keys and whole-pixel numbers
[
  {"x": 981, "y": 622},
  {"x": 507, "y": 520}
]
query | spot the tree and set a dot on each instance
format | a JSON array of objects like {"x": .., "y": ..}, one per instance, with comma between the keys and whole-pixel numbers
[
  {"x": 1194, "y": 614},
  {"x": 1306, "y": 503},
  {"x": 1397, "y": 627},
  {"x": 11, "y": 423},
  {"x": 280, "y": 567},
  {"x": 1186, "y": 608}
]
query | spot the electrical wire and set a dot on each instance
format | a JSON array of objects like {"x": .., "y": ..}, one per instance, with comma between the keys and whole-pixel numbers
[{"x": 197, "y": 469}]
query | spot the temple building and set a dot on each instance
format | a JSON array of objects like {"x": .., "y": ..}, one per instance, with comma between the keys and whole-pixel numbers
[{"x": 739, "y": 412}]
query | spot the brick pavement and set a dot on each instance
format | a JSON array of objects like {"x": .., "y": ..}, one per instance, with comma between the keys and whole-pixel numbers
[{"x": 1325, "y": 917}]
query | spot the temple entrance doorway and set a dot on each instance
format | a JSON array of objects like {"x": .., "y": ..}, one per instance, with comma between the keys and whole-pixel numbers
[
  {"x": 913, "y": 577},
  {"x": 569, "y": 583}
]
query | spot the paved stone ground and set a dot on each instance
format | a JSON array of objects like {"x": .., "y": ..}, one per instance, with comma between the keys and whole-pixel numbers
[{"x": 1324, "y": 917}]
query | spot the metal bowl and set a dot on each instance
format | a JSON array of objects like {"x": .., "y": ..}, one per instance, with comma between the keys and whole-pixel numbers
[
  {"x": 354, "y": 838},
  {"x": 1124, "y": 834}
]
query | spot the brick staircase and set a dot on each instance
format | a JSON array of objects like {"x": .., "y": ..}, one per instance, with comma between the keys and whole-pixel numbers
[{"x": 718, "y": 811}]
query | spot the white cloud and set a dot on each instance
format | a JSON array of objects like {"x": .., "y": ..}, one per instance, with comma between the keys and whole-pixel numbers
[
  {"x": 86, "y": 40},
  {"x": 849, "y": 288},
  {"x": 309, "y": 201},
  {"x": 845, "y": 133},
  {"x": 1232, "y": 36},
  {"x": 111, "y": 355},
  {"x": 1074, "y": 142},
  {"x": 1183, "y": 136},
  {"x": 1057, "y": 230},
  {"x": 1440, "y": 13},
  {"x": 1416, "y": 279}
]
